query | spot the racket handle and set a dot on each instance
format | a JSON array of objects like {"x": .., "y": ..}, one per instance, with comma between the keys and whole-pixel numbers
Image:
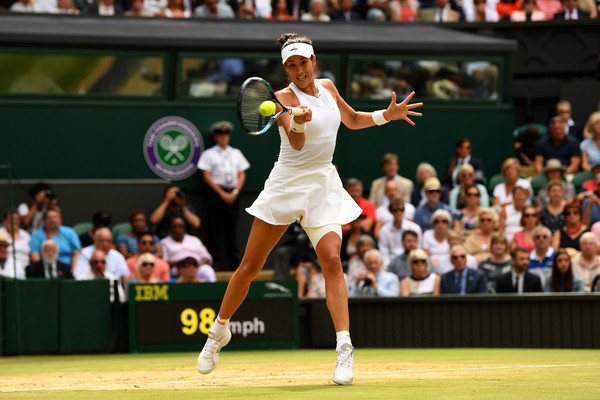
[{"x": 296, "y": 111}]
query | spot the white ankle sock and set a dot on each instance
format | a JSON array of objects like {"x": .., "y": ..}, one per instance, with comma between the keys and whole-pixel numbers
[
  {"x": 220, "y": 327},
  {"x": 341, "y": 338}
]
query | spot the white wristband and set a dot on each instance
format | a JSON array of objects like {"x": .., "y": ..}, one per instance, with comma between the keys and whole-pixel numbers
[
  {"x": 298, "y": 128},
  {"x": 378, "y": 117}
]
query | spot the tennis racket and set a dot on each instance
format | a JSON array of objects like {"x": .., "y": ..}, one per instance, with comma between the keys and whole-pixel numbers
[{"x": 253, "y": 92}]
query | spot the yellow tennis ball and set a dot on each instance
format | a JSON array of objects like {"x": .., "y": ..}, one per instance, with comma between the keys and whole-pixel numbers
[{"x": 267, "y": 108}]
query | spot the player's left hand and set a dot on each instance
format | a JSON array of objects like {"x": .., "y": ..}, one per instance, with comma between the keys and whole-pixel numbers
[{"x": 402, "y": 110}]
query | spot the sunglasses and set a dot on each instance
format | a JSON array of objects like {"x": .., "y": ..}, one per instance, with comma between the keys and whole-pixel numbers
[
  {"x": 571, "y": 213},
  {"x": 473, "y": 195},
  {"x": 147, "y": 242},
  {"x": 440, "y": 221},
  {"x": 541, "y": 237},
  {"x": 434, "y": 191},
  {"x": 460, "y": 256},
  {"x": 419, "y": 261},
  {"x": 393, "y": 210},
  {"x": 146, "y": 264},
  {"x": 530, "y": 215},
  {"x": 98, "y": 261},
  {"x": 485, "y": 220}
]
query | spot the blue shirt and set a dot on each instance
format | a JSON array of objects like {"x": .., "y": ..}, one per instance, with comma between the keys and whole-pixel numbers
[
  {"x": 568, "y": 148},
  {"x": 131, "y": 242},
  {"x": 66, "y": 239},
  {"x": 546, "y": 262},
  {"x": 388, "y": 283},
  {"x": 423, "y": 214},
  {"x": 595, "y": 215}
]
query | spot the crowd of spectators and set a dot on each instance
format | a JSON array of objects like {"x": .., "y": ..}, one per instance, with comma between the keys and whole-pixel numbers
[
  {"x": 524, "y": 228},
  {"x": 321, "y": 10}
]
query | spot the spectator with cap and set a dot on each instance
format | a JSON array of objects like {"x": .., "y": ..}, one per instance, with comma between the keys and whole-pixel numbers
[
  {"x": 100, "y": 219},
  {"x": 98, "y": 270},
  {"x": 558, "y": 145},
  {"x": 224, "y": 171},
  {"x": 423, "y": 213},
  {"x": 115, "y": 263},
  {"x": 555, "y": 171},
  {"x": 49, "y": 267}
]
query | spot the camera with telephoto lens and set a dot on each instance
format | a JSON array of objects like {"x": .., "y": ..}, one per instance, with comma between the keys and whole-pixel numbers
[
  {"x": 179, "y": 193},
  {"x": 50, "y": 195},
  {"x": 368, "y": 281}
]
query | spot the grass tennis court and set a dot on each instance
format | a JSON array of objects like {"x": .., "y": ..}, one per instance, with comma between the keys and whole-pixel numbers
[{"x": 379, "y": 373}]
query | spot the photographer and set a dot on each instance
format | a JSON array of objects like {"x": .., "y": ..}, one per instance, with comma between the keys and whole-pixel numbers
[
  {"x": 43, "y": 197},
  {"x": 376, "y": 281},
  {"x": 174, "y": 205}
]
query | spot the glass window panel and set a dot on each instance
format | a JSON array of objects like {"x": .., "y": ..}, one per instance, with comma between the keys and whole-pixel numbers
[
  {"x": 444, "y": 80},
  {"x": 210, "y": 77},
  {"x": 82, "y": 75}
]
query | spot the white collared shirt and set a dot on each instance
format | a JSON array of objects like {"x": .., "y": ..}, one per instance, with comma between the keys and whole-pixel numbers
[{"x": 224, "y": 165}]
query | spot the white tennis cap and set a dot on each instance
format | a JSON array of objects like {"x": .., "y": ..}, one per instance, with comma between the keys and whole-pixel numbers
[{"x": 296, "y": 49}]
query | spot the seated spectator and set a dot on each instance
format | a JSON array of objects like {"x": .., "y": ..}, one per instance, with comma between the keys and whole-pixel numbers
[
  {"x": 247, "y": 9},
  {"x": 511, "y": 171},
  {"x": 20, "y": 237},
  {"x": 174, "y": 205},
  {"x": 7, "y": 266},
  {"x": 179, "y": 245},
  {"x": 568, "y": 236},
  {"x": 115, "y": 263},
  {"x": 423, "y": 213},
  {"x": 478, "y": 244},
  {"x": 137, "y": 10},
  {"x": 317, "y": 12},
  {"x": 377, "y": 10},
  {"x": 524, "y": 237},
  {"x": 510, "y": 216},
  {"x": 558, "y": 145},
  {"x": 146, "y": 244},
  {"x": 458, "y": 195},
  {"x": 549, "y": 7},
  {"x": 435, "y": 241},
  {"x": 65, "y": 7},
  {"x": 480, "y": 10},
  {"x": 316, "y": 286},
  {"x": 466, "y": 218},
  {"x": 462, "y": 280},
  {"x": 390, "y": 238},
  {"x": 573, "y": 129},
  {"x": 505, "y": 8},
  {"x": 280, "y": 11},
  {"x": 399, "y": 264},
  {"x": 587, "y": 263},
  {"x": 214, "y": 9},
  {"x": 540, "y": 258},
  {"x": 127, "y": 242},
  {"x": 376, "y": 282},
  {"x": 519, "y": 280},
  {"x": 43, "y": 197},
  {"x": 105, "y": 8},
  {"x": 552, "y": 215},
  {"x": 349, "y": 250},
  {"x": 384, "y": 216},
  {"x": 528, "y": 13},
  {"x": 49, "y": 267},
  {"x": 424, "y": 172},
  {"x": 527, "y": 141},
  {"x": 462, "y": 155},
  {"x": 499, "y": 263},
  {"x": 27, "y": 6},
  {"x": 345, "y": 12},
  {"x": 64, "y": 236},
  {"x": 144, "y": 268},
  {"x": 174, "y": 9},
  {"x": 403, "y": 10},
  {"x": 98, "y": 270},
  {"x": 441, "y": 12},
  {"x": 100, "y": 219},
  {"x": 563, "y": 278},
  {"x": 356, "y": 266},
  {"x": 421, "y": 280},
  {"x": 444, "y": 263},
  {"x": 354, "y": 187},
  {"x": 571, "y": 11},
  {"x": 555, "y": 171},
  {"x": 193, "y": 272},
  {"x": 390, "y": 167},
  {"x": 152, "y": 6},
  {"x": 590, "y": 147}
]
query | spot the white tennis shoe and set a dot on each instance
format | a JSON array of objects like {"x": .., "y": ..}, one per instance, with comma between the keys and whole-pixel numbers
[
  {"x": 344, "y": 365},
  {"x": 209, "y": 356}
]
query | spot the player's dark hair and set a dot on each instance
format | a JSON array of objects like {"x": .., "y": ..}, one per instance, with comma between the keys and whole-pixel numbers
[{"x": 290, "y": 38}]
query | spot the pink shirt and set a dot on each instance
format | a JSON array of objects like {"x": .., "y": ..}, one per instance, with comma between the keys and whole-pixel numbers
[
  {"x": 190, "y": 246},
  {"x": 549, "y": 7}
]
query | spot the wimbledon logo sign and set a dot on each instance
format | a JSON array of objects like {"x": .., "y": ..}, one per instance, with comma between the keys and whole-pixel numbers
[{"x": 172, "y": 148}]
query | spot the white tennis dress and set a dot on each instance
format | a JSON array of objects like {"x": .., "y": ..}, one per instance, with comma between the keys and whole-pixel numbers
[{"x": 304, "y": 184}]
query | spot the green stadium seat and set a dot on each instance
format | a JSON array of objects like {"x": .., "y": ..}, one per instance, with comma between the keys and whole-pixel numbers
[
  {"x": 82, "y": 227},
  {"x": 494, "y": 180},
  {"x": 121, "y": 227},
  {"x": 581, "y": 177},
  {"x": 520, "y": 129},
  {"x": 538, "y": 181}
]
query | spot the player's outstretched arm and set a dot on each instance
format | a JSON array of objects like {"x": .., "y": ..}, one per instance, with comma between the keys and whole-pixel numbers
[{"x": 402, "y": 110}]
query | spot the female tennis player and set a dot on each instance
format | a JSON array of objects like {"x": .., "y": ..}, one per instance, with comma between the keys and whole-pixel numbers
[{"x": 304, "y": 185}]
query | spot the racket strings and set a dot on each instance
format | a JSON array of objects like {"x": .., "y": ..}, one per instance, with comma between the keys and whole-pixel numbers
[{"x": 252, "y": 96}]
